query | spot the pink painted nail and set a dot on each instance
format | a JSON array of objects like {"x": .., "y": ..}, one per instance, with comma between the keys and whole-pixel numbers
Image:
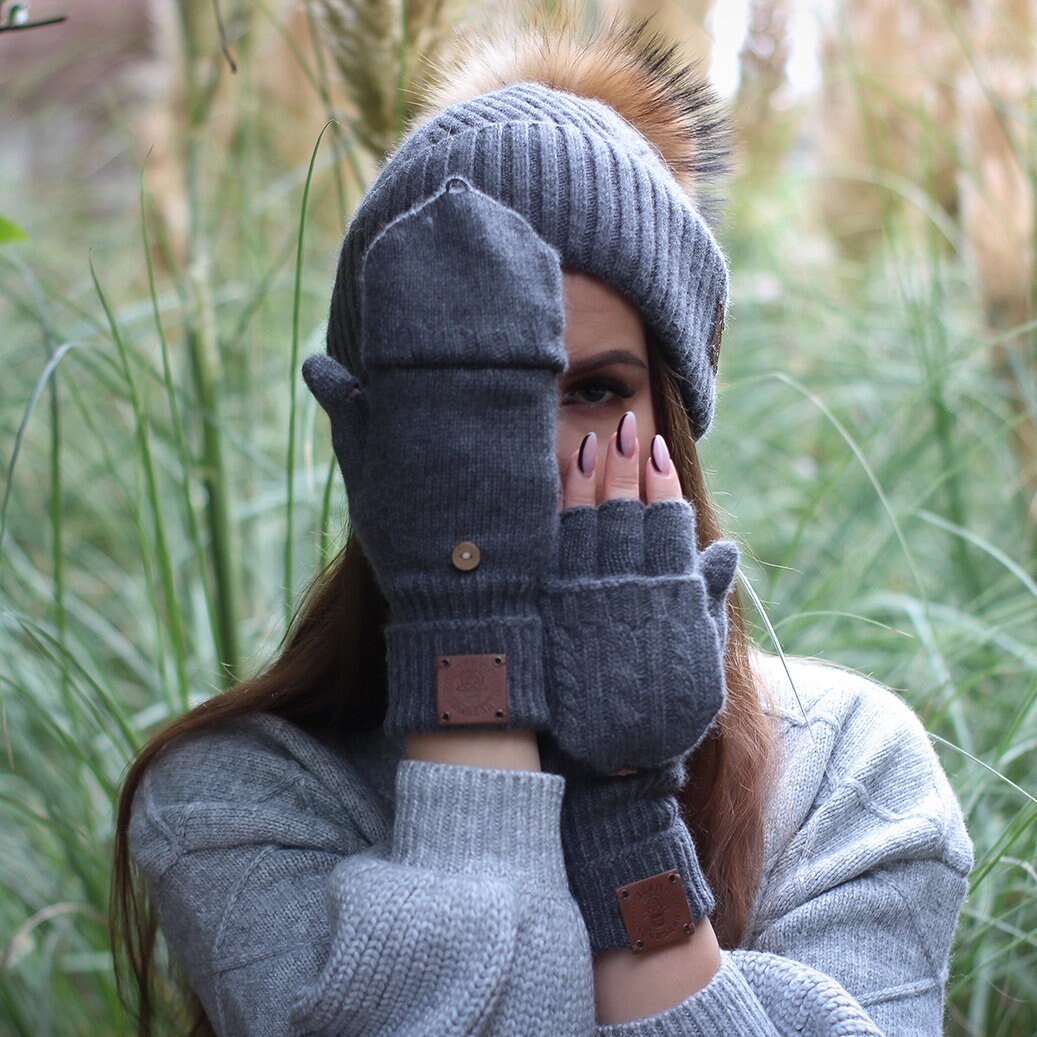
[
  {"x": 626, "y": 434},
  {"x": 588, "y": 454},
  {"x": 660, "y": 455}
]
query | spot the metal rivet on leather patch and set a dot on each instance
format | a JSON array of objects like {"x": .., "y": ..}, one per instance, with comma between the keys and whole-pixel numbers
[
  {"x": 471, "y": 689},
  {"x": 465, "y": 556},
  {"x": 655, "y": 911}
]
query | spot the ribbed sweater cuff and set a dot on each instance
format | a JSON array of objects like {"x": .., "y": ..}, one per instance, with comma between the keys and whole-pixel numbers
[
  {"x": 726, "y": 1005},
  {"x": 412, "y": 649},
  {"x": 479, "y": 821}
]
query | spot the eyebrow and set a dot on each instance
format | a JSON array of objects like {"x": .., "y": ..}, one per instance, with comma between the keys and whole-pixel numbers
[{"x": 611, "y": 356}]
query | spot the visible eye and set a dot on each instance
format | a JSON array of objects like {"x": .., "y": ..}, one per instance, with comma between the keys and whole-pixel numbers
[{"x": 595, "y": 390}]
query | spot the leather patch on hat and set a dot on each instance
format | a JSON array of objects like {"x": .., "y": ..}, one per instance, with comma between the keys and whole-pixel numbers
[
  {"x": 471, "y": 689},
  {"x": 713, "y": 352},
  {"x": 655, "y": 911}
]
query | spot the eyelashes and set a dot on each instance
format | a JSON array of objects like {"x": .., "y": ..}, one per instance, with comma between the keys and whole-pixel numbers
[{"x": 592, "y": 387}]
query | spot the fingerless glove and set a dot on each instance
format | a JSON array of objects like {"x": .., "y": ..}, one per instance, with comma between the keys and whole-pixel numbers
[
  {"x": 635, "y": 631},
  {"x": 631, "y": 861}
]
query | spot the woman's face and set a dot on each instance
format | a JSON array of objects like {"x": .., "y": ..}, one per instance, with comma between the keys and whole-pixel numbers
[{"x": 608, "y": 372}]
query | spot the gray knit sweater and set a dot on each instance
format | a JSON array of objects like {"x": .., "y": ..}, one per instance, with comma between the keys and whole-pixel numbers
[{"x": 326, "y": 886}]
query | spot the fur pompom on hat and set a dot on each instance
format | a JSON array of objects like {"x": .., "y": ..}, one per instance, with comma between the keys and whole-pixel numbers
[{"x": 609, "y": 147}]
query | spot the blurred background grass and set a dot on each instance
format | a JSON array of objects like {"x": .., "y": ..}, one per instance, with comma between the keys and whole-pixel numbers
[{"x": 166, "y": 257}]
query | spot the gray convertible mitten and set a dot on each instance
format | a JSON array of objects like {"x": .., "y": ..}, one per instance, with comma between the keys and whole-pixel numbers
[
  {"x": 635, "y": 630},
  {"x": 448, "y": 454},
  {"x": 631, "y": 861}
]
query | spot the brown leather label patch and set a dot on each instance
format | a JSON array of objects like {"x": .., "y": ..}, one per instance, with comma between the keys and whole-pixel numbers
[
  {"x": 713, "y": 352},
  {"x": 655, "y": 911},
  {"x": 471, "y": 689}
]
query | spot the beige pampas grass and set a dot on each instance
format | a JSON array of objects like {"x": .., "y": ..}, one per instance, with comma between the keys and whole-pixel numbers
[
  {"x": 887, "y": 112},
  {"x": 764, "y": 121},
  {"x": 999, "y": 152},
  {"x": 938, "y": 97},
  {"x": 382, "y": 50},
  {"x": 997, "y": 182}
]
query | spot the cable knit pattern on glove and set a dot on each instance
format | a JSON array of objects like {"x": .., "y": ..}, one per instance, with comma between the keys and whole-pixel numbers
[{"x": 630, "y": 596}]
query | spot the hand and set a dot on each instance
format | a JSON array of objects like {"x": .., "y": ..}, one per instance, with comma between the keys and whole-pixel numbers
[
  {"x": 634, "y": 616},
  {"x": 631, "y": 861},
  {"x": 623, "y": 839},
  {"x": 448, "y": 455}
]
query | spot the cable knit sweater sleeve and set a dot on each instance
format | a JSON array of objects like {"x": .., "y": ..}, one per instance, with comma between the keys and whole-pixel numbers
[
  {"x": 866, "y": 865},
  {"x": 291, "y": 914}
]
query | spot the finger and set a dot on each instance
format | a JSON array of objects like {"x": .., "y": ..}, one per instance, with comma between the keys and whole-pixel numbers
[
  {"x": 661, "y": 479},
  {"x": 344, "y": 401},
  {"x": 580, "y": 483},
  {"x": 621, "y": 537},
  {"x": 622, "y": 477},
  {"x": 719, "y": 569},
  {"x": 669, "y": 537},
  {"x": 719, "y": 564},
  {"x": 578, "y": 542}
]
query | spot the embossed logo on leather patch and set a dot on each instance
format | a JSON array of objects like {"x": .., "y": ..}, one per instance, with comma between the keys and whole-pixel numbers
[
  {"x": 655, "y": 911},
  {"x": 713, "y": 353},
  {"x": 471, "y": 689}
]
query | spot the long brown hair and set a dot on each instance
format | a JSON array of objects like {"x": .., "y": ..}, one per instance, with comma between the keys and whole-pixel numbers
[{"x": 330, "y": 675}]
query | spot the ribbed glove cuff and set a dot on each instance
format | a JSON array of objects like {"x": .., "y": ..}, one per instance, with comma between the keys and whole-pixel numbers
[
  {"x": 471, "y": 674},
  {"x": 624, "y": 861}
]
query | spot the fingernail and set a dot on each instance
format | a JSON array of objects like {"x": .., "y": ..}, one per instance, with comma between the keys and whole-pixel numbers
[
  {"x": 660, "y": 455},
  {"x": 588, "y": 454},
  {"x": 626, "y": 433}
]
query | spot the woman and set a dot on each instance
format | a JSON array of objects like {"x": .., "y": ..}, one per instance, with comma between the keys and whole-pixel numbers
[{"x": 518, "y": 769}]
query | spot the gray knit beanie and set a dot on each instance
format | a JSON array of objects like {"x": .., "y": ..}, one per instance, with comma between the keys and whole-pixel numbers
[{"x": 592, "y": 186}]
